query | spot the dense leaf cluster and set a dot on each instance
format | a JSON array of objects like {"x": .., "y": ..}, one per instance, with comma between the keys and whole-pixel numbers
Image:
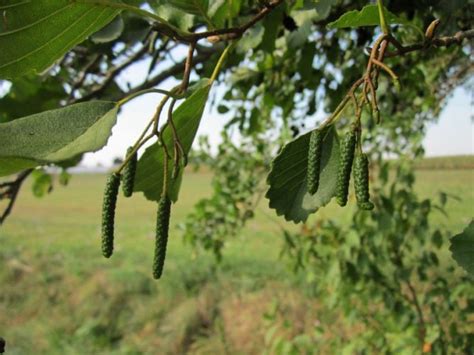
[{"x": 388, "y": 273}]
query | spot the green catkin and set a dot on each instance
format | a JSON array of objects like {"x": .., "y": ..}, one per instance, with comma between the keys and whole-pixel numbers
[
  {"x": 162, "y": 228},
  {"x": 314, "y": 160},
  {"x": 345, "y": 167},
  {"x": 128, "y": 176},
  {"x": 361, "y": 181},
  {"x": 108, "y": 214}
]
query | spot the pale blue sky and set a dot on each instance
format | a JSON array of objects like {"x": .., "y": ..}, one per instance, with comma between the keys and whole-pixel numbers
[{"x": 453, "y": 134}]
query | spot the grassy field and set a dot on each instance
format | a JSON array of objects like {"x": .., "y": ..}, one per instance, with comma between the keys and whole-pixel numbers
[
  {"x": 447, "y": 163},
  {"x": 60, "y": 296}
]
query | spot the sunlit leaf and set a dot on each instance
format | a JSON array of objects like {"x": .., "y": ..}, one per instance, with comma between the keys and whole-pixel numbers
[
  {"x": 368, "y": 16},
  {"x": 149, "y": 175},
  {"x": 288, "y": 193},
  {"x": 55, "y": 135},
  {"x": 34, "y": 34}
]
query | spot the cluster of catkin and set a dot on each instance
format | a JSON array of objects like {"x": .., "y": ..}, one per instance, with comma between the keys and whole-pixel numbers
[
  {"x": 108, "y": 213},
  {"x": 346, "y": 164}
]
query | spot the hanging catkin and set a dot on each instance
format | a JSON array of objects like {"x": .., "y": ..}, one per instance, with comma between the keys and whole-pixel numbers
[
  {"x": 314, "y": 160},
  {"x": 361, "y": 181},
  {"x": 128, "y": 175},
  {"x": 162, "y": 228},
  {"x": 108, "y": 214},
  {"x": 345, "y": 167}
]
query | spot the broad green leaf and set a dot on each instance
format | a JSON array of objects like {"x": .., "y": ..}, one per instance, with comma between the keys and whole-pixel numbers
[
  {"x": 174, "y": 16},
  {"x": 55, "y": 135},
  {"x": 287, "y": 179},
  {"x": 368, "y": 16},
  {"x": 110, "y": 32},
  {"x": 187, "y": 117},
  {"x": 11, "y": 165},
  {"x": 222, "y": 10},
  {"x": 195, "y": 7},
  {"x": 462, "y": 248},
  {"x": 34, "y": 34}
]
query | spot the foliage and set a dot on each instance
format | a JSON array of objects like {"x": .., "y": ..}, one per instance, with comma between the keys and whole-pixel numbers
[
  {"x": 281, "y": 64},
  {"x": 237, "y": 189},
  {"x": 30, "y": 41},
  {"x": 288, "y": 193},
  {"x": 368, "y": 16},
  {"x": 150, "y": 168},
  {"x": 388, "y": 273},
  {"x": 56, "y": 135},
  {"x": 49, "y": 255},
  {"x": 462, "y": 247}
]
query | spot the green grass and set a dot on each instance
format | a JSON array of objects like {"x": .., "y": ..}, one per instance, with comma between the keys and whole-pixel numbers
[
  {"x": 60, "y": 296},
  {"x": 447, "y": 162}
]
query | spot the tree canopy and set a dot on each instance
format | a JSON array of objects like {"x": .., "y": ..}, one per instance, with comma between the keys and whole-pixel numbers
[{"x": 380, "y": 71}]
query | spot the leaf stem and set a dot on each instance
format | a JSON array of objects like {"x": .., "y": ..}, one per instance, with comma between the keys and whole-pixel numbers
[
  {"x": 221, "y": 61},
  {"x": 383, "y": 21},
  {"x": 388, "y": 70}
]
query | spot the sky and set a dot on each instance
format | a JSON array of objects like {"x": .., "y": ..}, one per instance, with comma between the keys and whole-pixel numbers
[{"x": 453, "y": 134}]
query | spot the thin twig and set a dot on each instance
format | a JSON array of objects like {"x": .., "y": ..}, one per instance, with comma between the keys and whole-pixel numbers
[
  {"x": 386, "y": 68},
  {"x": 83, "y": 75},
  {"x": 187, "y": 67},
  {"x": 111, "y": 75},
  {"x": 419, "y": 311},
  {"x": 446, "y": 41},
  {"x": 157, "y": 116},
  {"x": 227, "y": 33},
  {"x": 11, "y": 192}
]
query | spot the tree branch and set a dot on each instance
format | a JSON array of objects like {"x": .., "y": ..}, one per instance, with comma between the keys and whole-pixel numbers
[
  {"x": 10, "y": 192},
  {"x": 435, "y": 42},
  {"x": 111, "y": 75},
  {"x": 229, "y": 33}
]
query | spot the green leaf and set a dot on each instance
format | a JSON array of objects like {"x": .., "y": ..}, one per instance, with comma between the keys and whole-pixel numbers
[
  {"x": 110, "y": 32},
  {"x": 11, "y": 165},
  {"x": 31, "y": 94},
  {"x": 174, "y": 16},
  {"x": 251, "y": 39},
  {"x": 271, "y": 24},
  {"x": 34, "y": 34},
  {"x": 187, "y": 117},
  {"x": 462, "y": 248},
  {"x": 304, "y": 20},
  {"x": 195, "y": 7},
  {"x": 222, "y": 10},
  {"x": 368, "y": 16},
  {"x": 55, "y": 135},
  {"x": 322, "y": 7},
  {"x": 288, "y": 193},
  {"x": 42, "y": 183},
  {"x": 64, "y": 177}
]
